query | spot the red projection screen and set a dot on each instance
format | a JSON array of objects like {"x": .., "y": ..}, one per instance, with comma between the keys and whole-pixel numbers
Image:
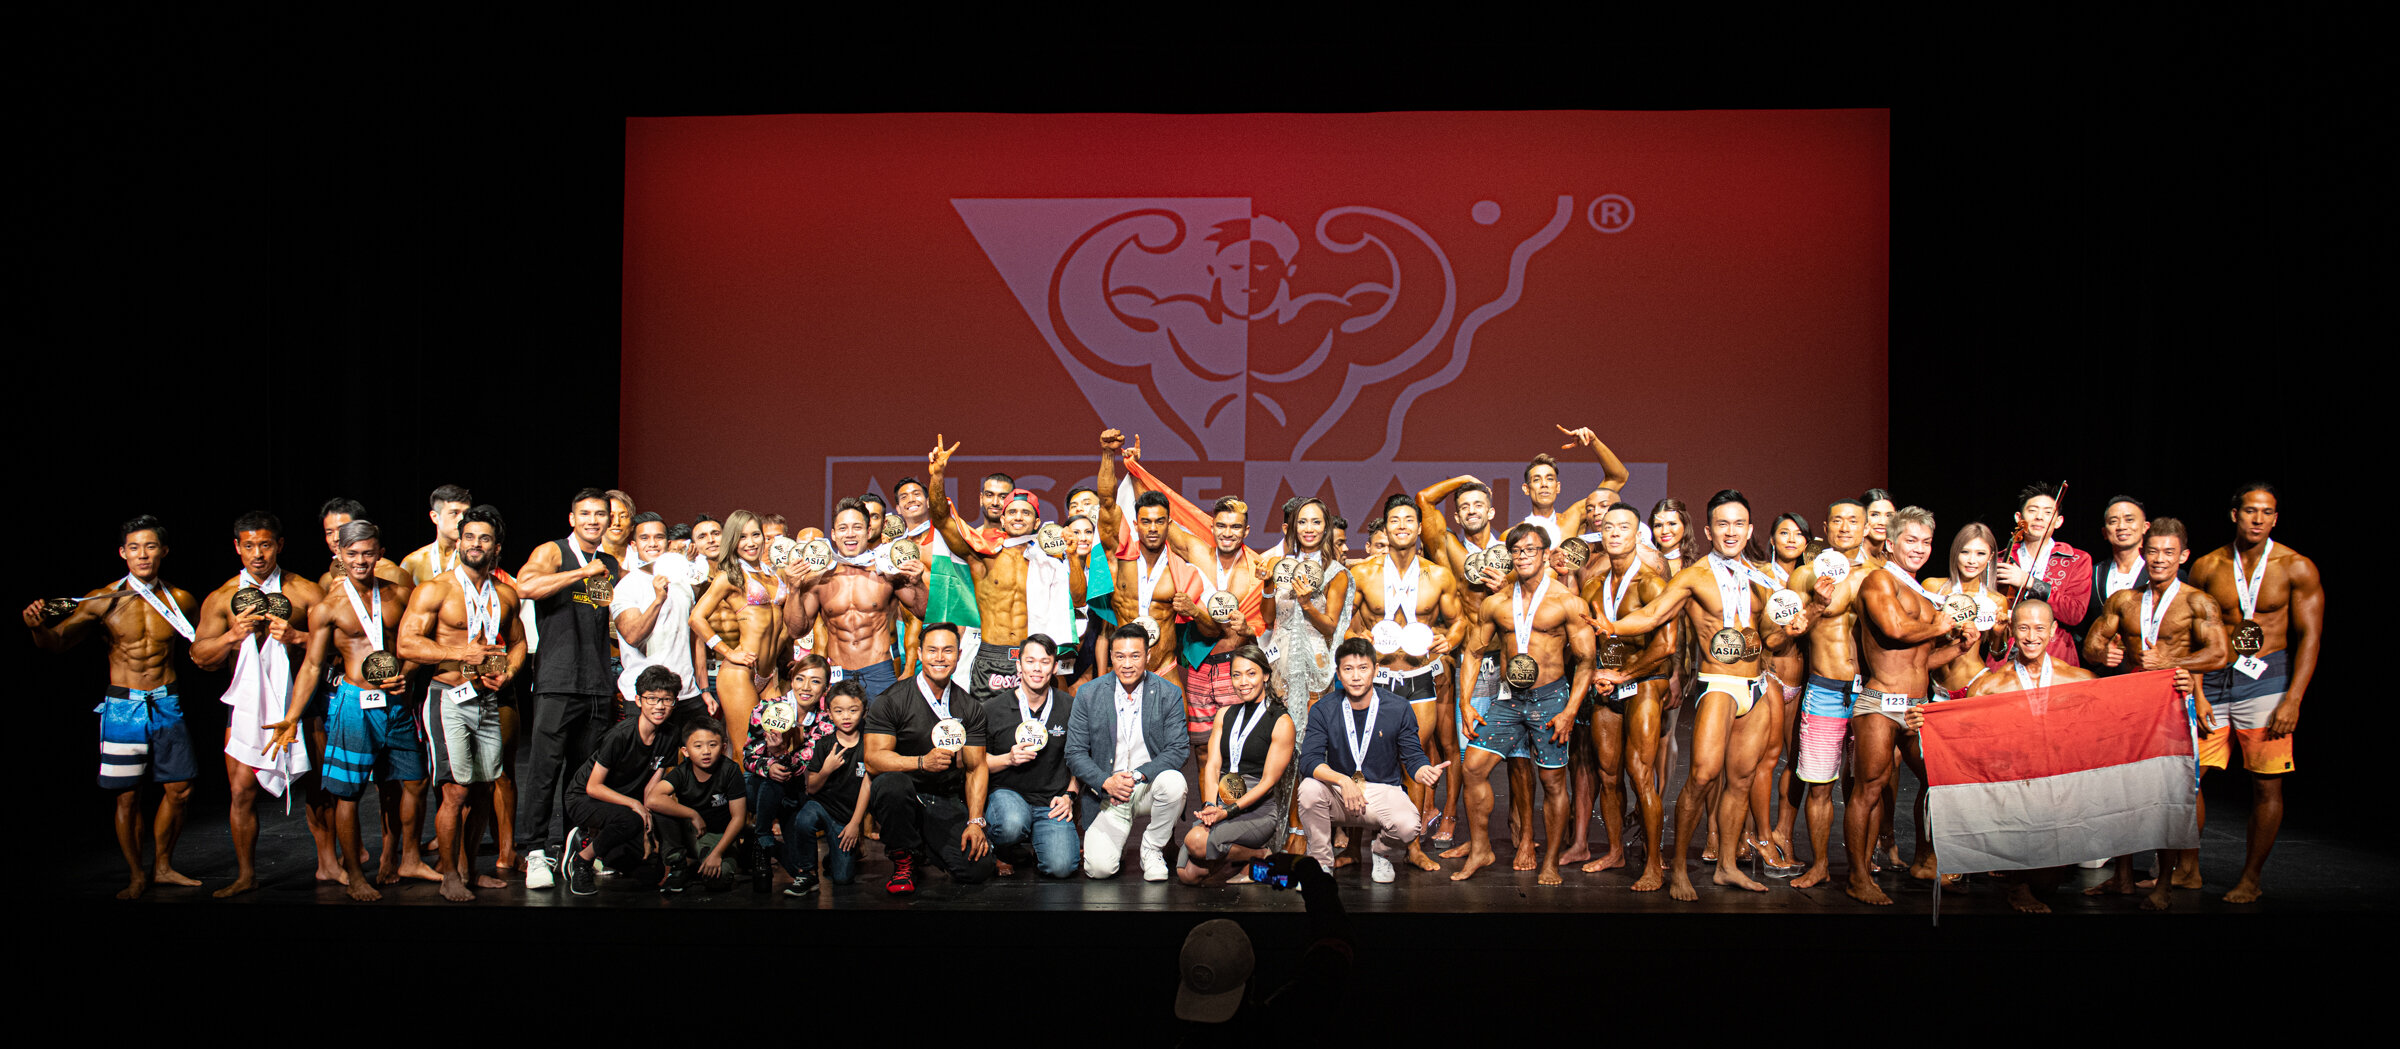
[{"x": 1329, "y": 305}]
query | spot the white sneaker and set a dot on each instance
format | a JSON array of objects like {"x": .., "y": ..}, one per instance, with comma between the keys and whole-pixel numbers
[
  {"x": 2093, "y": 865},
  {"x": 1382, "y": 872},
  {"x": 538, "y": 874},
  {"x": 1154, "y": 866}
]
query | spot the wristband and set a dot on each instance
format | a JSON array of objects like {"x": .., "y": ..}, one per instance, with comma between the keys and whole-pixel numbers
[{"x": 715, "y": 643}]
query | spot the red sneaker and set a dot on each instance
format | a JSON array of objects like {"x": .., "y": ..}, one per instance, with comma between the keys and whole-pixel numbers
[{"x": 904, "y": 874}]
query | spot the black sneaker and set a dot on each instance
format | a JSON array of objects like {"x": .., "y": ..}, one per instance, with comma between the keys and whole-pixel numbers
[
  {"x": 803, "y": 884},
  {"x": 679, "y": 878},
  {"x": 581, "y": 880},
  {"x": 754, "y": 859}
]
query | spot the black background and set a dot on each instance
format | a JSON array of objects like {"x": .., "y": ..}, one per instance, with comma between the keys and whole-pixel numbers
[{"x": 271, "y": 262}]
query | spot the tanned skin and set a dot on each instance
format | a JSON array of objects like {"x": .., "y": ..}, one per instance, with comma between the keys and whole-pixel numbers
[
  {"x": 1560, "y": 625},
  {"x": 218, "y": 633},
  {"x": 1629, "y": 742}
]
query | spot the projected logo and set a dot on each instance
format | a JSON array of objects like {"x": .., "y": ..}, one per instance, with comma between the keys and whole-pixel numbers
[{"x": 1256, "y": 355}]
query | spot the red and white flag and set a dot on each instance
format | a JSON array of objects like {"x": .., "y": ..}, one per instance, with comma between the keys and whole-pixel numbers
[{"x": 2057, "y": 775}]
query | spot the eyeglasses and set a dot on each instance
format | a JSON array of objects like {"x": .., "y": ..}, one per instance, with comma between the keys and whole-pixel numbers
[{"x": 658, "y": 701}]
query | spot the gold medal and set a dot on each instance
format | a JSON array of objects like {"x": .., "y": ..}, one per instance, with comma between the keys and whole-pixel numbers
[
  {"x": 893, "y": 526},
  {"x": 1575, "y": 551},
  {"x": 1522, "y": 671},
  {"x": 494, "y": 664},
  {"x": 1309, "y": 572},
  {"x": 1052, "y": 539},
  {"x": 247, "y": 600},
  {"x": 1612, "y": 653},
  {"x": 1960, "y": 607},
  {"x": 1285, "y": 570},
  {"x": 1223, "y": 606},
  {"x": 905, "y": 553},
  {"x": 1727, "y": 646},
  {"x": 57, "y": 608},
  {"x": 378, "y": 665},
  {"x": 1359, "y": 777},
  {"x": 1230, "y": 788},
  {"x": 601, "y": 589},
  {"x": 1750, "y": 645},
  {"x": 2249, "y": 638},
  {"x": 279, "y": 606},
  {"x": 816, "y": 554}
]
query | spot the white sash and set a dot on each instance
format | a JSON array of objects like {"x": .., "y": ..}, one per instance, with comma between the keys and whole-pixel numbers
[
  {"x": 165, "y": 608},
  {"x": 2022, "y": 681},
  {"x": 2150, "y": 620},
  {"x": 372, "y": 624},
  {"x": 1365, "y": 733},
  {"x": 2245, "y": 590}
]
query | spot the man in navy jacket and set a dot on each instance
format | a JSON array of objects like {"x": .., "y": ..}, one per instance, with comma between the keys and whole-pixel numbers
[
  {"x": 1126, "y": 745},
  {"x": 1360, "y": 783}
]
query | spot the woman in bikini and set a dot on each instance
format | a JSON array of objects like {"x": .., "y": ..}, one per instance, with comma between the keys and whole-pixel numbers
[{"x": 755, "y": 594}]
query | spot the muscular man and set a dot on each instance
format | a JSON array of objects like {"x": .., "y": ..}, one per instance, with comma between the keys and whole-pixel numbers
[
  {"x": 1833, "y": 678},
  {"x": 1541, "y": 486},
  {"x": 2041, "y": 566},
  {"x": 1536, "y": 703},
  {"x": 2159, "y": 625},
  {"x": 1471, "y": 499},
  {"x": 925, "y": 744},
  {"x": 2029, "y": 667},
  {"x": 1630, "y": 689},
  {"x": 859, "y": 598},
  {"x": 571, "y": 583},
  {"x": 1904, "y": 635},
  {"x": 370, "y": 724},
  {"x": 448, "y": 503},
  {"x": 1149, "y": 575},
  {"x": 1722, "y": 600},
  {"x": 1020, "y": 588},
  {"x": 1409, "y": 607},
  {"x": 337, "y": 512},
  {"x": 457, "y": 623},
  {"x": 2273, "y": 605},
  {"x": 261, "y": 649},
  {"x": 1212, "y": 542},
  {"x": 142, "y": 735}
]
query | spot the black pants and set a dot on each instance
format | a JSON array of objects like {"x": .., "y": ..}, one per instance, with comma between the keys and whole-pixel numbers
[
  {"x": 565, "y": 729},
  {"x": 616, "y": 834},
  {"x": 924, "y": 825}
]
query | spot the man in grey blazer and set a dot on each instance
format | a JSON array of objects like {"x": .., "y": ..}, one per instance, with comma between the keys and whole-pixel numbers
[{"x": 1126, "y": 745}]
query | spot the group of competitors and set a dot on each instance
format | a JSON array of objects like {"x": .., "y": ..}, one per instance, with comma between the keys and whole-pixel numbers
[{"x": 713, "y": 700}]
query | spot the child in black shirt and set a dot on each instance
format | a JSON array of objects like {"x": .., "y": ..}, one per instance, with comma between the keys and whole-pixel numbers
[{"x": 702, "y": 799}]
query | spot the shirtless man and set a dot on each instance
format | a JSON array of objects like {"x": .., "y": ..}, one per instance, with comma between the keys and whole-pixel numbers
[
  {"x": 1544, "y": 623},
  {"x": 1410, "y": 608},
  {"x": 448, "y": 502},
  {"x": 1471, "y": 500},
  {"x": 456, "y": 624},
  {"x": 875, "y": 508},
  {"x": 1225, "y": 564},
  {"x": 372, "y": 725},
  {"x": 2159, "y": 625},
  {"x": 1019, "y": 589},
  {"x": 1833, "y": 678},
  {"x": 855, "y": 597},
  {"x": 1149, "y": 581},
  {"x": 2273, "y": 605},
  {"x": 142, "y": 734},
  {"x": 1541, "y": 486},
  {"x": 261, "y": 650},
  {"x": 1630, "y": 689},
  {"x": 1723, "y": 600},
  {"x": 2029, "y": 667},
  {"x": 1903, "y": 636},
  {"x": 337, "y": 512},
  {"x": 949, "y": 583}
]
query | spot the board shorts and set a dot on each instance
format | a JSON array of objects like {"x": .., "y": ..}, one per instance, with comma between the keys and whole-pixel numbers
[
  {"x": 465, "y": 736},
  {"x": 1487, "y": 688},
  {"x": 1744, "y": 690},
  {"x": 876, "y": 677},
  {"x": 2242, "y": 709},
  {"x": 991, "y": 675},
  {"x": 363, "y": 746},
  {"x": 1415, "y": 686},
  {"x": 1519, "y": 721},
  {"x": 143, "y": 737},
  {"x": 1206, "y": 688},
  {"x": 1824, "y": 721},
  {"x": 1871, "y": 702}
]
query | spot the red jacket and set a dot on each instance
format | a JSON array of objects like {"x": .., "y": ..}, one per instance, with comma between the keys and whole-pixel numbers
[{"x": 2069, "y": 574}]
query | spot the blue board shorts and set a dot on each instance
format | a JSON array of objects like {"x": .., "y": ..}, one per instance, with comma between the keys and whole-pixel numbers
[
  {"x": 364, "y": 746},
  {"x": 1519, "y": 721},
  {"x": 143, "y": 738}
]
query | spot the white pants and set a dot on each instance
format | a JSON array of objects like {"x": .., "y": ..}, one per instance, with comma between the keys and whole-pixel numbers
[
  {"x": 1389, "y": 814},
  {"x": 1104, "y": 840}
]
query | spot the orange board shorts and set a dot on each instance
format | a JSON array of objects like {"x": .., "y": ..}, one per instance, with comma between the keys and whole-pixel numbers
[{"x": 2242, "y": 708}]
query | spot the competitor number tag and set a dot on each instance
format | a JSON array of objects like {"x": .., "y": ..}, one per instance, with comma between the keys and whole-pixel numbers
[
  {"x": 2250, "y": 666},
  {"x": 464, "y": 692},
  {"x": 371, "y": 699}
]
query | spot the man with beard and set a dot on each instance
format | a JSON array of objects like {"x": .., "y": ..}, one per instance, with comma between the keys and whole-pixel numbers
[
  {"x": 261, "y": 641},
  {"x": 1149, "y": 575},
  {"x": 1212, "y": 543},
  {"x": 1020, "y": 588},
  {"x": 1472, "y": 501},
  {"x": 571, "y": 583},
  {"x": 463, "y": 623},
  {"x": 858, "y": 597}
]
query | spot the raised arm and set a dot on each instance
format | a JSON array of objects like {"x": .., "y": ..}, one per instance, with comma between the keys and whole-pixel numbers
[
  {"x": 1112, "y": 516},
  {"x": 1434, "y": 531},
  {"x": 937, "y": 501},
  {"x": 1613, "y": 476},
  {"x": 1881, "y": 597}
]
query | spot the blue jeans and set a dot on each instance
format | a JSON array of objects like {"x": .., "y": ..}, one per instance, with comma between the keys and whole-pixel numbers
[
  {"x": 770, "y": 803},
  {"x": 841, "y": 865},
  {"x": 1057, "y": 849}
]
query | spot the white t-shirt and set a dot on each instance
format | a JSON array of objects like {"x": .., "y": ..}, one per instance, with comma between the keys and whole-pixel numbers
[{"x": 670, "y": 641}]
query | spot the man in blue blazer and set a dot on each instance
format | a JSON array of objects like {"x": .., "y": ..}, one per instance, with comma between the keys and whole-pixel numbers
[
  {"x": 1360, "y": 753},
  {"x": 1126, "y": 745}
]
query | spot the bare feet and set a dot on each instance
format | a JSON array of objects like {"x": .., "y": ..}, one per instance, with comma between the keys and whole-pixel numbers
[
  {"x": 1549, "y": 875},
  {"x": 1576, "y": 853},
  {"x": 2020, "y": 896},
  {"x": 362, "y": 892},
  {"x": 1004, "y": 869},
  {"x": 133, "y": 889},
  {"x": 1816, "y": 876},
  {"x": 169, "y": 876},
  {"x": 1679, "y": 885},
  {"x": 422, "y": 872},
  {"x": 239, "y": 886},
  {"x": 1708, "y": 852},
  {"x": 1652, "y": 877},
  {"x": 1475, "y": 861},
  {"x": 1341, "y": 839},
  {"x": 1417, "y": 858},
  {"x": 1344, "y": 860},
  {"x": 334, "y": 874},
  {"x": 455, "y": 890},
  {"x": 1614, "y": 859},
  {"x": 1887, "y": 854},
  {"x": 2243, "y": 891},
  {"x": 2158, "y": 900},
  {"x": 2118, "y": 884},
  {"x": 2184, "y": 879},
  {"x": 1864, "y": 890},
  {"x": 486, "y": 881},
  {"x": 510, "y": 861},
  {"x": 1728, "y": 874},
  {"x": 1524, "y": 860},
  {"x": 1457, "y": 853}
]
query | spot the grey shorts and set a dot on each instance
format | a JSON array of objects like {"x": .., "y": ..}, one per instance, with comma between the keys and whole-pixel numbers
[{"x": 465, "y": 736}]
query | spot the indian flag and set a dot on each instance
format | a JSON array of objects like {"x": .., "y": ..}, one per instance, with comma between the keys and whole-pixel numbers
[{"x": 2052, "y": 776}]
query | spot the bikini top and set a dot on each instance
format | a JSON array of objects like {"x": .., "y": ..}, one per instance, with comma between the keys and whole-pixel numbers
[{"x": 756, "y": 592}]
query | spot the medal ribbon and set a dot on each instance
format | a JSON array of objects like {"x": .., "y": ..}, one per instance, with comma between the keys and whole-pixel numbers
[
  {"x": 2022, "y": 682},
  {"x": 1357, "y": 738},
  {"x": 2150, "y": 621},
  {"x": 1241, "y": 734},
  {"x": 375, "y": 634},
  {"x": 1522, "y": 612},
  {"x": 941, "y": 705},
  {"x": 2246, "y": 590},
  {"x": 1401, "y": 599},
  {"x": 165, "y": 608},
  {"x": 483, "y": 607}
]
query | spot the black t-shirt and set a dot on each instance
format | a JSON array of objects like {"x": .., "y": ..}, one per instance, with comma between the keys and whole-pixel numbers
[
  {"x": 1046, "y": 776},
  {"x": 902, "y": 713},
  {"x": 628, "y": 761},
  {"x": 839, "y": 793},
  {"x": 574, "y": 630},
  {"x": 712, "y": 797}
]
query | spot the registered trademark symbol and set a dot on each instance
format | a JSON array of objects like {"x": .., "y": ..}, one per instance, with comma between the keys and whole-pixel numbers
[{"x": 1609, "y": 213}]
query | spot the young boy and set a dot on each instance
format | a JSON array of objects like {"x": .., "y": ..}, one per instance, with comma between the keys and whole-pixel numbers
[
  {"x": 837, "y": 794},
  {"x": 704, "y": 804},
  {"x": 604, "y": 800}
]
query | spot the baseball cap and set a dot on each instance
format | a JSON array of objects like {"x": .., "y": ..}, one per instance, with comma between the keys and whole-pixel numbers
[{"x": 1216, "y": 964}]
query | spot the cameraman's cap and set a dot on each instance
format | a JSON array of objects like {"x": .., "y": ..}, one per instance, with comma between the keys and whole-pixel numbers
[{"x": 1216, "y": 964}]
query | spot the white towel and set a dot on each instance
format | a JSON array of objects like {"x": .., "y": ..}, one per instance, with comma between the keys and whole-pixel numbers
[
  {"x": 1049, "y": 600},
  {"x": 260, "y": 693}
]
